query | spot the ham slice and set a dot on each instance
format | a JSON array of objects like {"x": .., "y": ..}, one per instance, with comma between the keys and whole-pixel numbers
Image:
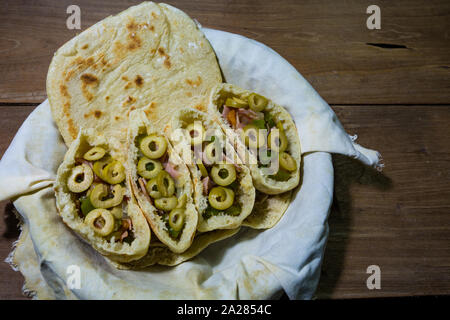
[
  {"x": 169, "y": 167},
  {"x": 249, "y": 113},
  {"x": 228, "y": 160},
  {"x": 225, "y": 111},
  {"x": 208, "y": 183},
  {"x": 144, "y": 190}
]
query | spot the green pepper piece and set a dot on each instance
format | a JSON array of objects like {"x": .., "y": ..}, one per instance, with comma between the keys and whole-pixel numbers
[
  {"x": 269, "y": 119},
  {"x": 234, "y": 210},
  {"x": 86, "y": 206},
  {"x": 259, "y": 123}
]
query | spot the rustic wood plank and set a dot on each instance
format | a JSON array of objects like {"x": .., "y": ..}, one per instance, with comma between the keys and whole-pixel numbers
[
  {"x": 327, "y": 41},
  {"x": 11, "y": 118},
  {"x": 398, "y": 219}
]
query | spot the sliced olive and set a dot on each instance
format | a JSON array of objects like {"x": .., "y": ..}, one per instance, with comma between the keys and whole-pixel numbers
[
  {"x": 114, "y": 172},
  {"x": 223, "y": 174},
  {"x": 152, "y": 189},
  {"x": 281, "y": 175},
  {"x": 117, "y": 212},
  {"x": 80, "y": 178},
  {"x": 277, "y": 140},
  {"x": 176, "y": 219},
  {"x": 235, "y": 102},
  {"x": 148, "y": 168},
  {"x": 221, "y": 198},
  {"x": 182, "y": 201},
  {"x": 196, "y": 132},
  {"x": 165, "y": 184},
  {"x": 86, "y": 206},
  {"x": 101, "y": 221},
  {"x": 100, "y": 165},
  {"x": 100, "y": 196},
  {"x": 153, "y": 146},
  {"x": 202, "y": 169},
  {"x": 166, "y": 204},
  {"x": 96, "y": 153},
  {"x": 257, "y": 102},
  {"x": 287, "y": 162},
  {"x": 212, "y": 153},
  {"x": 253, "y": 137}
]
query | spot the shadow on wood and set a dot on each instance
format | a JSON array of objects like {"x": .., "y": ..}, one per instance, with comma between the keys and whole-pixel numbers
[
  {"x": 347, "y": 172},
  {"x": 12, "y": 230}
]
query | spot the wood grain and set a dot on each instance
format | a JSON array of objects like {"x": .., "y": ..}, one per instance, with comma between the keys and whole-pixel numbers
[
  {"x": 398, "y": 219},
  {"x": 327, "y": 41}
]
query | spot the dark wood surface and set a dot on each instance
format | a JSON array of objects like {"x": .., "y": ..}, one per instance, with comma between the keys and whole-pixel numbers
[{"x": 397, "y": 101}]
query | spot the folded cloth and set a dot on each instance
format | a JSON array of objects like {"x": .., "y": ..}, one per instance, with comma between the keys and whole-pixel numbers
[{"x": 252, "y": 264}]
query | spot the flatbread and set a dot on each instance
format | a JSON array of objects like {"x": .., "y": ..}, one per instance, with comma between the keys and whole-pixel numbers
[
  {"x": 268, "y": 210},
  {"x": 161, "y": 254},
  {"x": 245, "y": 194},
  {"x": 140, "y": 125},
  {"x": 150, "y": 56},
  {"x": 117, "y": 251},
  {"x": 261, "y": 181}
]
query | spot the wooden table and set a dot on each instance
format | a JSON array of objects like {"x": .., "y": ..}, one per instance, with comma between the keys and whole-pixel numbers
[{"x": 390, "y": 86}]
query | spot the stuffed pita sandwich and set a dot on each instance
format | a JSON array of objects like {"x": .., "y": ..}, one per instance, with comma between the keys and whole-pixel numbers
[
  {"x": 264, "y": 135},
  {"x": 224, "y": 193},
  {"x": 161, "y": 183},
  {"x": 94, "y": 199}
]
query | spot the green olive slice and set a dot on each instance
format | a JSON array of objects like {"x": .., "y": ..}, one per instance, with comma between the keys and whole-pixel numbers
[
  {"x": 153, "y": 146},
  {"x": 166, "y": 204},
  {"x": 80, "y": 178},
  {"x": 277, "y": 140},
  {"x": 176, "y": 219},
  {"x": 148, "y": 168},
  {"x": 100, "y": 165},
  {"x": 101, "y": 221},
  {"x": 202, "y": 169},
  {"x": 257, "y": 102},
  {"x": 96, "y": 153},
  {"x": 221, "y": 198},
  {"x": 152, "y": 189},
  {"x": 99, "y": 196},
  {"x": 182, "y": 201},
  {"x": 223, "y": 174},
  {"x": 114, "y": 173},
  {"x": 117, "y": 212},
  {"x": 212, "y": 154},
  {"x": 253, "y": 137},
  {"x": 165, "y": 184},
  {"x": 287, "y": 162},
  {"x": 196, "y": 132},
  {"x": 236, "y": 102}
]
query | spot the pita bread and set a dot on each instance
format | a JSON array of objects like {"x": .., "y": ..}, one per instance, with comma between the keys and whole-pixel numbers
[
  {"x": 245, "y": 193},
  {"x": 67, "y": 208},
  {"x": 146, "y": 57},
  {"x": 161, "y": 254},
  {"x": 140, "y": 125},
  {"x": 262, "y": 181}
]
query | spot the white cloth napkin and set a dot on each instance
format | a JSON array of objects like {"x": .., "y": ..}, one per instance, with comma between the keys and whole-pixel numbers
[{"x": 252, "y": 264}]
